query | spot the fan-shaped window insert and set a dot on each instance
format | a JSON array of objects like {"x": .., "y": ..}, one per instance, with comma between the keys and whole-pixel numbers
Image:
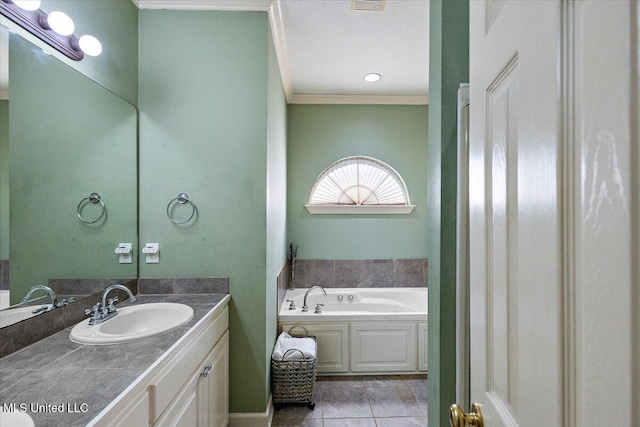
[{"x": 359, "y": 185}]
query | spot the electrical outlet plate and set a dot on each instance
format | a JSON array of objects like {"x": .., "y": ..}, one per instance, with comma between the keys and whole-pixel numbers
[
  {"x": 124, "y": 253},
  {"x": 152, "y": 253}
]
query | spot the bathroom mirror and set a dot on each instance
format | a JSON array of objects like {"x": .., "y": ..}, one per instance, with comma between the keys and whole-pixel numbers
[{"x": 68, "y": 137}]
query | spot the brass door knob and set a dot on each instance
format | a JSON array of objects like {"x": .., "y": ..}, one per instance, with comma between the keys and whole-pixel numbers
[{"x": 459, "y": 419}]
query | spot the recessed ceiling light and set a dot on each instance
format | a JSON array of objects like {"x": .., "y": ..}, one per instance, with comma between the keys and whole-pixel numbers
[{"x": 372, "y": 77}]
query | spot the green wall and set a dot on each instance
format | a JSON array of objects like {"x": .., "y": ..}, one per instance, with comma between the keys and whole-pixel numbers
[
  {"x": 276, "y": 197},
  {"x": 4, "y": 179},
  {"x": 318, "y": 135},
  {"x": 207, "y": 128},
  {"x": 448, "y": 67}
]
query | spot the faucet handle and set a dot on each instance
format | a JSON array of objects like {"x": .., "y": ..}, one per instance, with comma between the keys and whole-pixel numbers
[
  {"x": 110, "y": 307},
  {"x": 93, "y": 311},
  {"x": 292, "y": 306},
  {"x": 318, "y": 308},
  {"x": 63, "y": 302},
  {"x": 41, "y": 309}
]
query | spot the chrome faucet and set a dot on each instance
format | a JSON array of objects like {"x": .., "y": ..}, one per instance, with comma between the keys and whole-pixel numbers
[
  {"x": 106, "y": 309},
  {"x": 54, "y": 299},
  {"x": 304, "y": 305},
  {"x": 114, "y": 299}
]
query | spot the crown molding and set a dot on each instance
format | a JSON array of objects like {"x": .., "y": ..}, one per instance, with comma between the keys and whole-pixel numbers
[
  {"x": 228, "y": 5},
  {"x": 279, "y": 41},
  {"x": 308, "y": 98}
]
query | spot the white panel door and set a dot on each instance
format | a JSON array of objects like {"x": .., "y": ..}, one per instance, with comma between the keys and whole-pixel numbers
[
  {"x": 514, "y": 212},
  {"x": 554, "y": 200}
]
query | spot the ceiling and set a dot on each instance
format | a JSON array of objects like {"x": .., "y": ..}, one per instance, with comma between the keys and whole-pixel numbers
[{"x": 325, "y": 48}]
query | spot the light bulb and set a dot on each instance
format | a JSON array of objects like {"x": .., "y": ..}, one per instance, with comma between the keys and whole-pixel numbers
[
  {"x": 27, "y": 4},
  {"x": 60, "y": 23},
  {"x": 90, "y": 45},
  {"x": 372, "y": 77}
]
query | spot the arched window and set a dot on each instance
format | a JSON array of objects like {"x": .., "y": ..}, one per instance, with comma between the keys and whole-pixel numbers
[{"x": 359, "y": 185}]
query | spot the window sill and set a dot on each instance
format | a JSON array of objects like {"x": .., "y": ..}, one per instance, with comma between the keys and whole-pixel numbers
[{"x": 359, "y": 209}]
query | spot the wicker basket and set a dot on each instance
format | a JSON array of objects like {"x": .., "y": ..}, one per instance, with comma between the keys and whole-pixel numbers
[{"x": 292, "y": 380}]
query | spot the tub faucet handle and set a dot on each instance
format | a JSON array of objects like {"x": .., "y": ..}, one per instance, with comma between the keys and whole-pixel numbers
[
  {"x": 318, "y": 308},
  {"x": 292, "y": 306}
]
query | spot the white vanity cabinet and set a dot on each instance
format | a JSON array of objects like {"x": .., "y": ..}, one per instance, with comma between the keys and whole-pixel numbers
[
  {"x": 186, "y": 386},
  {"x": 203, "y": 400}
]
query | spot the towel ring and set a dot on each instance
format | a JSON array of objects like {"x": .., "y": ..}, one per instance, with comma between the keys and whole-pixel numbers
[
  {"x": 93, "y": 198},
  {"x": 182, "y": 198}
]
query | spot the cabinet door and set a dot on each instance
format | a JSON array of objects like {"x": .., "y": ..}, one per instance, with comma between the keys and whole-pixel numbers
[
  {"x": 383, "y": 347},
  {"x": 213, "y": 390},
  {"x": 333, "y": 345},
  {"x": 183, "y": 410},
  {"x": 135, "y": 414}
]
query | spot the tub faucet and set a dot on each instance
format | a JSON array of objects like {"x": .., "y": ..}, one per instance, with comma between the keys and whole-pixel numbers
[
  {"x": 304, "y": 306},
  {"x": 106, "y": 310},
  {"x": 54, "y": 299}
]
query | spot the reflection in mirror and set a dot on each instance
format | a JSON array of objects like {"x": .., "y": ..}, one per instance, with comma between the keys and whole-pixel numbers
[{"x": 66, "y": 137}]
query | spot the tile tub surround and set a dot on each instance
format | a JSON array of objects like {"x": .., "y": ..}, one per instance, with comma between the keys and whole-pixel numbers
[
  {"x": 368, "y": 273},
  {"x": 22, "y": 334},
  {"x": 282, "y": 282},
  {"x": 59, "y": 371},
  {"x": 361, "y": 401}
]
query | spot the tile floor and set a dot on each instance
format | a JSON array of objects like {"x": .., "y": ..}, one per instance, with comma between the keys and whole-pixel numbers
[{"x": 380, "y": 401}]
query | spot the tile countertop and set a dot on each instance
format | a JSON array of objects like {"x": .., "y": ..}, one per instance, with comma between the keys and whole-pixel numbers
[{"x": 68, "y": 384}]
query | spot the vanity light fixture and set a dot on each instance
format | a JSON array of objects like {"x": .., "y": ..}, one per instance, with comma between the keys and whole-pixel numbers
[
  {"x": 56, "y": 28},
  {"x": 58, "y": 22},
  {"x": 89, "y": 45},
  {"x": 28, "y": 4},
  {"x": 372, "y": 77}
]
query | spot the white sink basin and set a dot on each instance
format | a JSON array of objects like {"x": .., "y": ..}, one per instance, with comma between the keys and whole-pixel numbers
[
  {"x": 133, "y": 322},
  {"x": 15, "y": 418},
  {"x": 15, "y": 315}
]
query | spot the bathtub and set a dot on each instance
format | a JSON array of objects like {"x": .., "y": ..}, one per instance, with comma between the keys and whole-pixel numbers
[
  {"x": 362, "y": 330},
  {"x": 4, "y": 299}
]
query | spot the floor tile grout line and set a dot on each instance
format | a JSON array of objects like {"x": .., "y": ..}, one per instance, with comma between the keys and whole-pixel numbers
[{"x": 373, "y": 415}]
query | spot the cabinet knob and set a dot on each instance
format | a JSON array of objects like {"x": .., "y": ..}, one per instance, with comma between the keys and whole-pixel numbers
[{"x": 206, "y": 370}]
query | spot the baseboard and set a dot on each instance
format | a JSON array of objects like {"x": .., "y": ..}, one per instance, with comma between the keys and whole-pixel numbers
[{"x": 253, "y": 419}]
